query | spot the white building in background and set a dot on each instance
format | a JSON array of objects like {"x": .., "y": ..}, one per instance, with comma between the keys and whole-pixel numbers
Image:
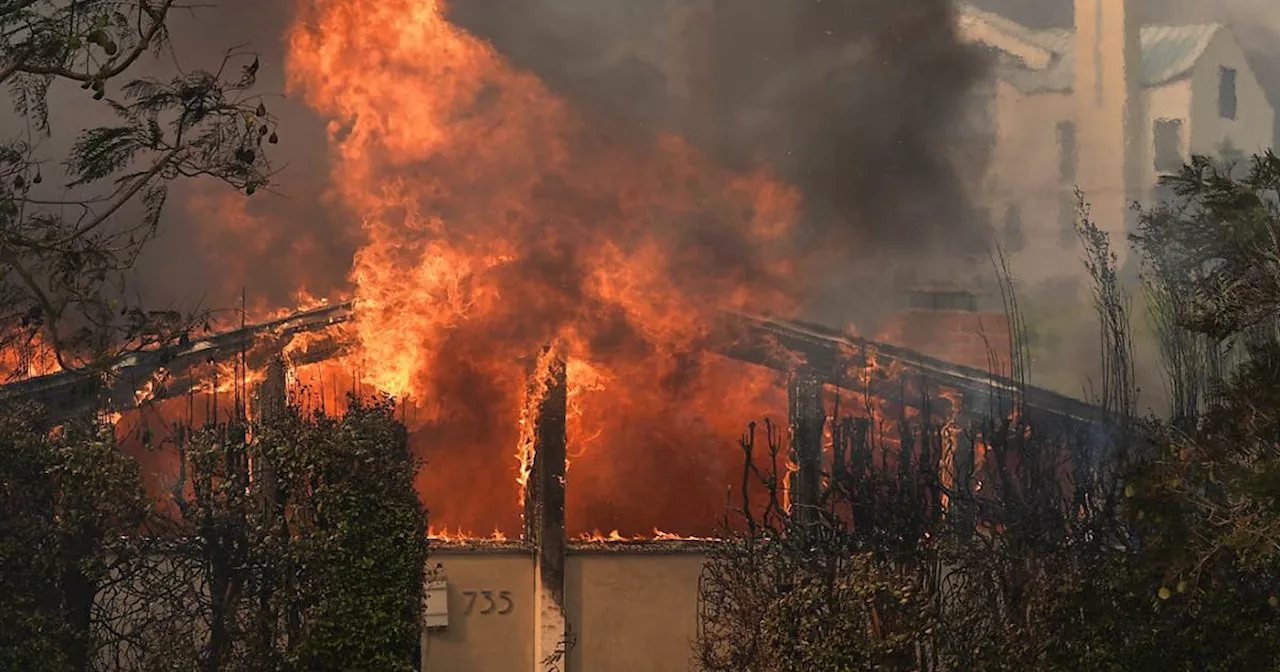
[{"x": 1193, "y": 94}]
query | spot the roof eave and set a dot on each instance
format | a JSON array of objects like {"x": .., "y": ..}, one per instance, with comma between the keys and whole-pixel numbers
[{"x": 1155, "y": 84}]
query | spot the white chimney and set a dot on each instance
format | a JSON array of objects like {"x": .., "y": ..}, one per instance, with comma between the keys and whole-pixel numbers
[{"x": 1110, "y": 115}]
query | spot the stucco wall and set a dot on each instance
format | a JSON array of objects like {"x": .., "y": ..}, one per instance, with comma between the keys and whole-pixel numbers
[
  {"x": 1254, "y": 124},
  {"x": 1024, "y": 172},
  {"x": 633, "y": 612},
  {"x": 483, "y": 641},
  {"x": 1171, "y": 101},
  {"x": 1025, "y": 169},
  {"x": 1024, "y": 166},
  {"x": 631, "y": 609}
]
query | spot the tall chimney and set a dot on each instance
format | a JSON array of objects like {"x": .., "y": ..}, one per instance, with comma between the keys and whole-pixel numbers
[{"x": 1109, "y": 114}]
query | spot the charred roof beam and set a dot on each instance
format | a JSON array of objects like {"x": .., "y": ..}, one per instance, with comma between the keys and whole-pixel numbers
[{"x": 780, "y": 345}]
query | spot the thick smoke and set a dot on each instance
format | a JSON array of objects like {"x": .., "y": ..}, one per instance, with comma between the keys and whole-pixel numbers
[{"x": 860, "y": 103}]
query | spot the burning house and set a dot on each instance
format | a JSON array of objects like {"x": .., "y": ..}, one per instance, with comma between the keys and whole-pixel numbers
[
  {"x": 579, "y": 318},
  {"x": 554, "y": 581}
]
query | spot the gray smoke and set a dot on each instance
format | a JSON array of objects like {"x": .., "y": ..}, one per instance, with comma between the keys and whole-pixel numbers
[
  {"x": 296, "y": 236},
  {"x": 860, "y": 103}
]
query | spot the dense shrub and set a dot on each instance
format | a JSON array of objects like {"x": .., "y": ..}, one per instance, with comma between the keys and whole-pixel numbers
[
  {"x": 64, "y": 499},
  {"x": 295, "y": 543},
  {"x": 309, "y": 541}
]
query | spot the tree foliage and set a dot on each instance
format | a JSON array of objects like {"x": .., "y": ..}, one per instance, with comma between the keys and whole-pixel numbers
[
  {"x": 1216, "y": 247},
  {"x": 304, "y": 547},
  {"x": 293, "y": 543},
  {"x": 64, "y": 501},
  {"x": 66, "y": 246},
  {"x": 1217, "y": 244}
]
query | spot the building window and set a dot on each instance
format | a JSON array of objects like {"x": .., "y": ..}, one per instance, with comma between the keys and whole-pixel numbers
[
  {"x": 1167, "y": 134},
  {"x": 1012, "y": 235},
  {"x": 1067, "y": 154},
  {"x": 1068, "y": 236},
  {"x": 1227, "y": 103}
]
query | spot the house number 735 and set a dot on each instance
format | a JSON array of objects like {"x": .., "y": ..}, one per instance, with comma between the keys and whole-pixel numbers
[{"x": 501, "y": 606}]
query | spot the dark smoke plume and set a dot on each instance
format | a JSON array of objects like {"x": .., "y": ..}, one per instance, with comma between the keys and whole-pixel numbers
[
  {"x": 861, "y": 103},
  {"x": 858, "y": 102}
]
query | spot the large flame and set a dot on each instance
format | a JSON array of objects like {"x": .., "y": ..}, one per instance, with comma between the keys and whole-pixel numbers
[
  {"x": 498, "y": 220},
  {"x": 27, "y": 356}
]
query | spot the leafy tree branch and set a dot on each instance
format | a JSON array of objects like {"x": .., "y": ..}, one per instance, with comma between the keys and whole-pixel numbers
[{"x": 66, "y": 250}]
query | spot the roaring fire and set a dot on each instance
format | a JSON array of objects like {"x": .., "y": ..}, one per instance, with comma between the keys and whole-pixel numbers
[
  {"x": 498, "y": 219},
  {"x": 27, "y": 357},
  {"x": 536, "y": 393}
]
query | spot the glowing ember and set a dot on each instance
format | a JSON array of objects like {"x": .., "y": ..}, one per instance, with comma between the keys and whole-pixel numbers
[{"x": 446, "y": 535}]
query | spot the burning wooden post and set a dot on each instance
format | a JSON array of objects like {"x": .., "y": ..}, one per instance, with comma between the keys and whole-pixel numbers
[
  {"x": 807, "y": 418},
  {"x": 271, "y": 403},
  {"x": 272, "y": 398},
  {"x": 964, "y": 466},
  {"x": 545, "y": 409}
]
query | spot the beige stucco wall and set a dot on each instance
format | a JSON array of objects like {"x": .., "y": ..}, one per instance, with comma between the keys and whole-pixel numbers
[
  {"x": 631, "y": 609},
  {"x": 1024, "y": 165},
  {"x": 1254, "y": 124},
  {"x": 1053, "y": 282},
  {"x": 482, "y": 642},
  {"x": 1024, "y": 171},
  {"x": 633, "y": 612},
  {"x": 1171, "y": 101}
]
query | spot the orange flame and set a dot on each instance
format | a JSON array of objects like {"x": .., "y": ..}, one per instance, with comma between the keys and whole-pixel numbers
[
  {"x": 444, "y": 534},
  {"x": 539, "y": 387},
  {"x": 596, "y": 537},
  {"x": 496, "y": 219},
  {"x": 27, "y": 358},
  {"x": 149, "y": 389}
]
